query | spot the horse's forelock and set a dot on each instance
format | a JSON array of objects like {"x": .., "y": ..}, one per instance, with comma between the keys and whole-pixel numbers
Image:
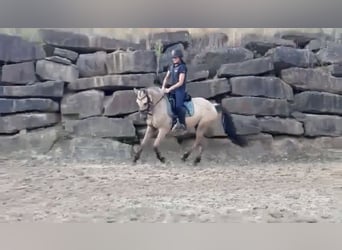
[{"x": 141, "y": 93}]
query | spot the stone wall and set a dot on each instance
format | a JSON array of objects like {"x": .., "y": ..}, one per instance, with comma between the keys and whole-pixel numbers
[{"x": 72, "y": 94}]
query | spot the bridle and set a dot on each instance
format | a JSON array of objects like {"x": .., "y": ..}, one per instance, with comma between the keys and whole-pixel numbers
[{"x": 150, "y": 106}]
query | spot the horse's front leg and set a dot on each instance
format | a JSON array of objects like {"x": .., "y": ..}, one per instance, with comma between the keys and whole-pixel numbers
[
  {"x": 147, "y": 136},
  {"x": 161, "y": 135}
]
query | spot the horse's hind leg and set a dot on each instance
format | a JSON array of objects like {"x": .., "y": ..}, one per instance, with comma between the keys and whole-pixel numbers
[
  {"x": 161, "y": 135},
  {"x": 201, "y": 129},
  {"x": 199, "y": 156}
]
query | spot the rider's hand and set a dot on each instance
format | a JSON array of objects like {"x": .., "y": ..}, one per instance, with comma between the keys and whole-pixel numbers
[{"x": 166, "y": 91}]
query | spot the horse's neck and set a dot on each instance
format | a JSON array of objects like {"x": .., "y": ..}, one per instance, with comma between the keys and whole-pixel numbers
[
  {"x": 159, "y": 112},
  {"x": 159, "y": 102}
]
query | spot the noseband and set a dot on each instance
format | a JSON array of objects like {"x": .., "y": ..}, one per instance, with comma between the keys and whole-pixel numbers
[{"x": 150, "y": 105}]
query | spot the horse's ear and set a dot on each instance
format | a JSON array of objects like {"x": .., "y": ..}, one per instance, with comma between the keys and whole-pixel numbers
[{"x": 135, "y": 91}]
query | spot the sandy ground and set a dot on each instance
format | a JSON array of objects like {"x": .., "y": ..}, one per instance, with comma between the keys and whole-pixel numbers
[{"x": 62, "y": 192}]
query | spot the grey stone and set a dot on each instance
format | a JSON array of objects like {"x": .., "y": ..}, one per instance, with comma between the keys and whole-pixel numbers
[
  {"x": 83, "y": 42},
  {"x": 15, "y": 49},
  {"x": 49, "y": 70},
  {"x": 322, "y": 125},
  {"x": 8, "y": 106},
  {"x": 262, "y": 86},
  {"x": 39, "y": 89},
  {"x": 212, "y": 40},
  {"x": 58, "y": 59},
  {"x": 256, "y": 106},
  {"x": 316, "y": 45},
  {"x": 14, "y": 123},
  {"x": 245, "y": 125},
  {"x": 276, "y": 126},
  {"x": 212, "y": 59},
  {"x": 93, "y": 64},
  {"x": 139, "y": 61},
  {"x": 260, "y": 44},
  {"x": 286, "y": 57},
  {"x": 206, "y": 41},
  {"x": 65, "y": 53},
  {"x": 167, "y": 39},
  {"x": 335, "y": 70},
  {"x": 114, "y": 82},
  {"x": 301, "y": 38},
  {"x": 331, "y": 54},
  {"x": 256, "y": 66},
  {"x": 21, "y": 145},
  {"x": 83, "y": 104},
  {"x": 137, "y": 119},
  {"x": 318, "y": 102},
  {"x": 121, "y": 103},
  {"x": 197, "y": 73},
  {"x": 20, "y": 73},
  {"x": 208, "y": 88},
  {"x": 48, "y": 50},
  {"x": 85, "y": 149},
  {"x": 312, "y": 79},
  {"x": 104, "y": 127}
]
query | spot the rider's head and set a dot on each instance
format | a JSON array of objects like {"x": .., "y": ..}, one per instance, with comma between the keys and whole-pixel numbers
[{"x": 177, "y": 55}]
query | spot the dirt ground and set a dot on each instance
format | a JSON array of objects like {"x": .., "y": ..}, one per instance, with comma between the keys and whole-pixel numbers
[{"x": 270, "y": 192}]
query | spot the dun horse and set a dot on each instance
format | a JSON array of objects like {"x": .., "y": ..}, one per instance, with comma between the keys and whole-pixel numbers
[{"x": 201, "y": 114}]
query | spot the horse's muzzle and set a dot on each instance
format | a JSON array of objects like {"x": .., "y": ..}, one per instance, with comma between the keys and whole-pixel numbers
[{"x": 143, "y": 114}]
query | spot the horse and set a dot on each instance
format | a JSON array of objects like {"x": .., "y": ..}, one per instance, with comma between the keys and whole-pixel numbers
[{"x": 156, "y": 107}]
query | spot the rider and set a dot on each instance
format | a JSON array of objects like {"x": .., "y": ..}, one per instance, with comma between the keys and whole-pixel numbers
[{"x": 178, "y": 72}]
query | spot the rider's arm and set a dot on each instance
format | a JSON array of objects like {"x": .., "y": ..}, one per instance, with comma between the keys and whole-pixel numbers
[{"x": 165, "y": 79}]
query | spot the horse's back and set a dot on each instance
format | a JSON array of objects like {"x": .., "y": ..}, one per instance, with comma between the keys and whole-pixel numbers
[{"x": 204, "y": 107}]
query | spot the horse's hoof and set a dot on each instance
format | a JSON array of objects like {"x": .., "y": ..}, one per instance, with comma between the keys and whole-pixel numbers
[
  {"x": 162, "y": 159},
  {"x": 135, "y": 159},
  {"x": 185, "y": 157},
  {"x": 197, "y": 160}
]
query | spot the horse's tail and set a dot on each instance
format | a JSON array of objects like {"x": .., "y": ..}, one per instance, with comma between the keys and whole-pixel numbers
[{"x": 230, "y": 129}]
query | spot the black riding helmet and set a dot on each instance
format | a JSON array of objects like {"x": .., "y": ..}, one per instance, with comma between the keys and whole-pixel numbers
[{"x": 177, "y": 53}]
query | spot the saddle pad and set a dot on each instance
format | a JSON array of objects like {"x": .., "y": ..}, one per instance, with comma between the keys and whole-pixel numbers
[{"x": 189, "y": 107}]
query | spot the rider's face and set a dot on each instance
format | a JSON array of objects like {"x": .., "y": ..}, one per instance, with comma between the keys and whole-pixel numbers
[{"x": 175, "y": 59}]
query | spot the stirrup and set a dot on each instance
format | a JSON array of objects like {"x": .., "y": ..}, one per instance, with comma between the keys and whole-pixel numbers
[{"x": 178, "y": 127}]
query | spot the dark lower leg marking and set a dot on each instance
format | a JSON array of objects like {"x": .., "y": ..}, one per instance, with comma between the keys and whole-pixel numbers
[
  {"x": 158, "y": 154},
  {"x": 137, "y": 155},
  {"x": 186, "y": 156},
  {"x": 197, "y": 160},
  {"x": 199, "y": 156}
]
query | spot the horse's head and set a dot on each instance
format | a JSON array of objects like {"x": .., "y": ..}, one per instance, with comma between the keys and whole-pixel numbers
[
  {"x": 143, "y": 100},
  {"x": 148, "y": 98}
]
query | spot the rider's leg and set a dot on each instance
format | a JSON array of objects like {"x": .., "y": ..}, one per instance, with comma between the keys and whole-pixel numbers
[{"x": 179, "y": 108}]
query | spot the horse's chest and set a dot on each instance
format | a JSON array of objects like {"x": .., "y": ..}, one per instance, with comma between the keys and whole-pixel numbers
[
  {"x": 149, "y": 121},
  {"x": 153, "y": 122}
]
